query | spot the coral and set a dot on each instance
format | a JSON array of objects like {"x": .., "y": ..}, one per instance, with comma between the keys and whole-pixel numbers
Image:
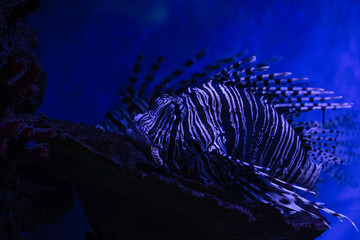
[
  {"x": 30, "y": 193},
  {"x": 22, "y": 81}
]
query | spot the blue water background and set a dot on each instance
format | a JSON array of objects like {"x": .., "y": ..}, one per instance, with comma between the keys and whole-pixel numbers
[{"x": 88, "y": 49}]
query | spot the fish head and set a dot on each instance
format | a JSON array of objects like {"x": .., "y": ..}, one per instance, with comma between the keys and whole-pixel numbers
[{"x": 149, "y": 130}]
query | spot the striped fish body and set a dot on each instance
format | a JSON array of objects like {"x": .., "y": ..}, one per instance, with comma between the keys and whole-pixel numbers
[
  {"x": 238, "y": 129},
  {"x": 230, "y": 121}
]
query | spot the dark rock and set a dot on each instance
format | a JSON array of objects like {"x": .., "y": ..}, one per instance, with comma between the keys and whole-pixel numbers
[{"x": 124, "y": 197}]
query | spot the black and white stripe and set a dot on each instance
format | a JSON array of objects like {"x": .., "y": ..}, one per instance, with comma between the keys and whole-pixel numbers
[{"x": 230, "y": 121}]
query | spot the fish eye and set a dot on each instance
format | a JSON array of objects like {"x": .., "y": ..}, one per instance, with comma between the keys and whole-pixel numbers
[
  {"x": 170, "y": 109},
  {"x": 156, "y": 102}
]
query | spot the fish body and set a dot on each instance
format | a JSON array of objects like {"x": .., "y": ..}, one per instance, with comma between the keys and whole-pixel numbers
[
  {"x": 237, "y": 128},
  {"x": 231, "y": 121}
]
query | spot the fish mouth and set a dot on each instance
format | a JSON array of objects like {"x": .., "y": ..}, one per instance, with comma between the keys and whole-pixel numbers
[{"x": 139, "y": 138}]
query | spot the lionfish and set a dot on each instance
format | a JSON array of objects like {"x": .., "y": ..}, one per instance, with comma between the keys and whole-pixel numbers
[{"x": 235, "y": 126}]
